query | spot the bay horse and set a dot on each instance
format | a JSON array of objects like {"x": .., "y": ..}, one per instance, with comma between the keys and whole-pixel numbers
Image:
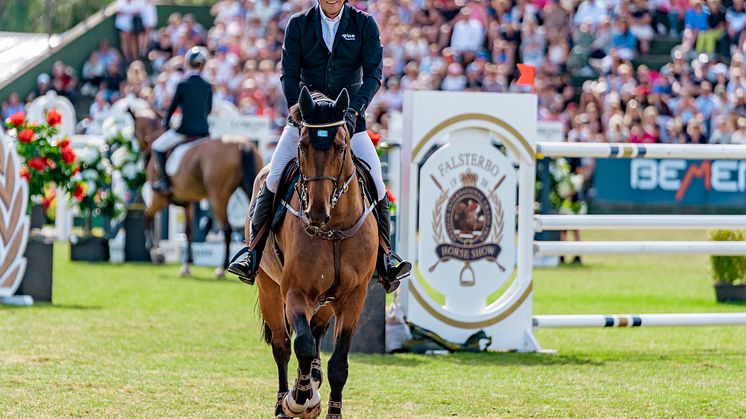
[
  {"x": 212, "y": 170},
  {"x": 328, "y": 249}
]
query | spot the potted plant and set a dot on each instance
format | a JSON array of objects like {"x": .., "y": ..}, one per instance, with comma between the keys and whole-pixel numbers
[
  {"x": 129, "y": 173},
  {"x": 97, "y": 201},
  {"x": 728, "y": 271},
  {"x": 48, "y": 165}
]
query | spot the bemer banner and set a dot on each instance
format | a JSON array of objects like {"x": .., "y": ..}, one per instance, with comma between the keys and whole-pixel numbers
[{"x": 711, "y": 183}]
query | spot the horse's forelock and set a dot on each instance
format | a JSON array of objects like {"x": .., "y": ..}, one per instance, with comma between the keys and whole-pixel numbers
[{"x": 294, "y": 110}]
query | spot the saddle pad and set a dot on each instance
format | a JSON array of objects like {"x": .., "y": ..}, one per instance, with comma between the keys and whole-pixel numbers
[{"x": 174, "y": 160}]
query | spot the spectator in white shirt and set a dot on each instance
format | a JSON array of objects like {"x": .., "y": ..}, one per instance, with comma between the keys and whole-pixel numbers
[
  {"x": 455, "y": 81},
  {"x": 468, "y": 33},
  {"x": 99, "y": 108},
  {"x": 590, "y": 9}
]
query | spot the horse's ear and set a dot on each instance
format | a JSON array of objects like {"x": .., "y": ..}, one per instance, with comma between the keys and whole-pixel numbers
[
  {"x": 306, "y": 103},
  {"x": 342, "y": 102}
]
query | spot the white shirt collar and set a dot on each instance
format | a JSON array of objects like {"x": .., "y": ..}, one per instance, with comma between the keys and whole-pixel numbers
[{"x": 336, "y": 19}]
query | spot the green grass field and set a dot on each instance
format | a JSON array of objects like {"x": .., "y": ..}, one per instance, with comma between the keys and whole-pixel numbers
[{"x": 137, "y": 340}]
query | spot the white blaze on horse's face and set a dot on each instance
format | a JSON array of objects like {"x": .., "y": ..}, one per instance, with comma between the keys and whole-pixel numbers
[{"x": 322, "y": 167}]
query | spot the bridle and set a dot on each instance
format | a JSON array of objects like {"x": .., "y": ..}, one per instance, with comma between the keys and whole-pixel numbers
[
  {"x": 334, "y": 235},
  {"x": 338, "y": 190}
]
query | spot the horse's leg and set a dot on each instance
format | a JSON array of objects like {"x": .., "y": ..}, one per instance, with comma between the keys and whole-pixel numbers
[
  {"x": 275, "y": 333},
  {"x": 302, "y": 401},
  {"x": 319, "y": 324},
  {"x": 220, "y": 211},
  {"x": 189, "y": 220},
  {"x": 347, "y": 311},
  {"x": 157, "y": 205}
]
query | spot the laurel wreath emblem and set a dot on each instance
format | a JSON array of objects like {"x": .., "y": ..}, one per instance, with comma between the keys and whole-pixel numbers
[
  {"x": 14, "y": 221},
  {"x": 498, "y": 226}
]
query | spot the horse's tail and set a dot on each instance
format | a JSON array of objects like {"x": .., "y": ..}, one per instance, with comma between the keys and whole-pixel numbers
[{"x": 249, "y": 168}]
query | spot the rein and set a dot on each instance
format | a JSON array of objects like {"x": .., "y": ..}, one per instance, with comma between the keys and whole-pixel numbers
[{"x": 336, "y": 234}]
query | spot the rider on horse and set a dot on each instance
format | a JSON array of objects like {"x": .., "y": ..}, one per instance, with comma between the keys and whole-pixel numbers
[
  {"x": 330, "y": 47},
  {"x": 194, "y": 97}
]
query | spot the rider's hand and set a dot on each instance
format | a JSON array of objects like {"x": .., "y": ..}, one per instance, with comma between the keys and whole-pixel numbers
[{"x": 351, "y": 120}]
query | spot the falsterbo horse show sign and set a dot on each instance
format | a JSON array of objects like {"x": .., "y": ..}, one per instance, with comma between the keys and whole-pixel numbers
[
  {"x": 460, "y": 163},
  {"x": 14, "y": 220}
]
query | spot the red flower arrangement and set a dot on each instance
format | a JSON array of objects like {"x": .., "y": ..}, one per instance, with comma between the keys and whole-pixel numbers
[
  {"x": 26, "y": 136},
  {"x": 53, "y": 118},
  {"x": 45, "y": 164}
]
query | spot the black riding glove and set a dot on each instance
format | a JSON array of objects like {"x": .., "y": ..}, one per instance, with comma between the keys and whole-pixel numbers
[{"x": 351, "y": 120}]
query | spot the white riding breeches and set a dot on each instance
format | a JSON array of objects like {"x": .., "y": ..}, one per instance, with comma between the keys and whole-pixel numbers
[
  {"x": 287, "y": 150},
  {"x": 167, "y": 141}
]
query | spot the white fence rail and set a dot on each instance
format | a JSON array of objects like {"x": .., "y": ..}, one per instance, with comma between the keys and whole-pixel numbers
[
  {"x": 648, "y": 151},
  {"x": 721, "y": 248},
  {"x": 639, "y": 320},
  {"x": 630, "y": 222}
]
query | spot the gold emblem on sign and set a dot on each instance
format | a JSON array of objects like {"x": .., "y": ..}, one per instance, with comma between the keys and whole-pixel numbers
[{"x": 468, "y": 225}]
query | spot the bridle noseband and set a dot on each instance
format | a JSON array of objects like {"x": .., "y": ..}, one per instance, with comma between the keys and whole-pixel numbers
[{"x": 338, "y": 190}]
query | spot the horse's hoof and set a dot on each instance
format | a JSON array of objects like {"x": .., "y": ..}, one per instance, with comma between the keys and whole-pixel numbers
[
  {"x": 219, "y": 273},
  {"x": 157, "y": 257},
  {"x": 312, "y": 412}
]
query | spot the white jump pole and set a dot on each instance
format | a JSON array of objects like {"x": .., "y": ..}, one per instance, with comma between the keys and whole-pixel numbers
[
  {"x": 648, "y": 151},
  {"x": 629, "y": 222},
  {"x": 721, "y": 248},
  {"x": 639, "y": 320}
]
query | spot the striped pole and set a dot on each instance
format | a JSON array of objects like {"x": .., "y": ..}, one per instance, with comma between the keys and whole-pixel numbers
[
  {"x": 639, "y": 320},
  {"x": 720, "y": 248},
  {"x": 627, "y": 222},
  {"x": 648, "y": 151}
]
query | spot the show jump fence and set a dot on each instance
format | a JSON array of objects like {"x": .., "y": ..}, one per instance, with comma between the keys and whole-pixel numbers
[{"x": 629, "y": 222}]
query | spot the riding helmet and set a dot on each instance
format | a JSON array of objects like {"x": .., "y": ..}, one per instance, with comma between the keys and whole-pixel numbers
[{"x": 196, "y": 57}]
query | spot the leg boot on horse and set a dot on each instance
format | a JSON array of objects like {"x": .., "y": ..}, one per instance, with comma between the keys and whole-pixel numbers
[
  {"x": 162, "y": 184},
  {"x": 391, "y": 268},
  {"x": 247, "y": 267}
]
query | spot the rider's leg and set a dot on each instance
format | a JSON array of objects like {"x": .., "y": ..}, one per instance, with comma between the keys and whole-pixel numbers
[
  {"x": 391, "y": 268},
  {"x": 160, "y": 147},
  {"x": 287, "y": 149}
]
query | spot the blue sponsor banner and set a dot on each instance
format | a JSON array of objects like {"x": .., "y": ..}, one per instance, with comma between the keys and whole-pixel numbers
[{"x": 710, "y": 183}]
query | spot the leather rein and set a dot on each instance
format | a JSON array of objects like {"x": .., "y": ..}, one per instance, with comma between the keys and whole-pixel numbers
[{"x": 340, "y": 189}]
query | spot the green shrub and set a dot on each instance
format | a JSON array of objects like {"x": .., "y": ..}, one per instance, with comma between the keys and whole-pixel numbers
[{"x": 730, "y": 269}]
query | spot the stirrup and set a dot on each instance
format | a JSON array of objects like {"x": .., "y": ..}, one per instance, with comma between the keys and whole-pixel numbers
[{"x": 243, "y": 267}]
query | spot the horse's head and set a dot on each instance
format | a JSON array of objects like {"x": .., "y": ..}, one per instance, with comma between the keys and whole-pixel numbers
[
  {"x": 147, "y": 129},
  {"x": 323, "y": 153}
]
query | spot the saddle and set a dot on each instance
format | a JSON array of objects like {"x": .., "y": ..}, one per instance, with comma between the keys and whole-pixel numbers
[
  {"x": 290, "y": 177},
  {"x": 176, "y": 154},
  {"x": 286, "y": 189}
]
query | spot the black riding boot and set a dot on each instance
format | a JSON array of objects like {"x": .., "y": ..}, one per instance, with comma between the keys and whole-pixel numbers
[
  {"x": 389, "y": 266},
  {"x": 162, "y": 184},
  {"x": 247, "y": 267}
]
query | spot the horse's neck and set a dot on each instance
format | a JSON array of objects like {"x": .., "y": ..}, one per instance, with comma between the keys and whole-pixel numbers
[{"x": 350, "y": 204}]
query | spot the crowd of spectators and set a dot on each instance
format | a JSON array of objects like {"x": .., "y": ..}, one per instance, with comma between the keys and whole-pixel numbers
[{"x": 458, "y": 45}]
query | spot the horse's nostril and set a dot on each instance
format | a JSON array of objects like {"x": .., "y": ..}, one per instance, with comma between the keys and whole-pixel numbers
[{"x": 327, "y": 219}]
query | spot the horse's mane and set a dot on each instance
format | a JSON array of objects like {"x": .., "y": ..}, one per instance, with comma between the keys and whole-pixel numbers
[{"x": 295, "y": 109}]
